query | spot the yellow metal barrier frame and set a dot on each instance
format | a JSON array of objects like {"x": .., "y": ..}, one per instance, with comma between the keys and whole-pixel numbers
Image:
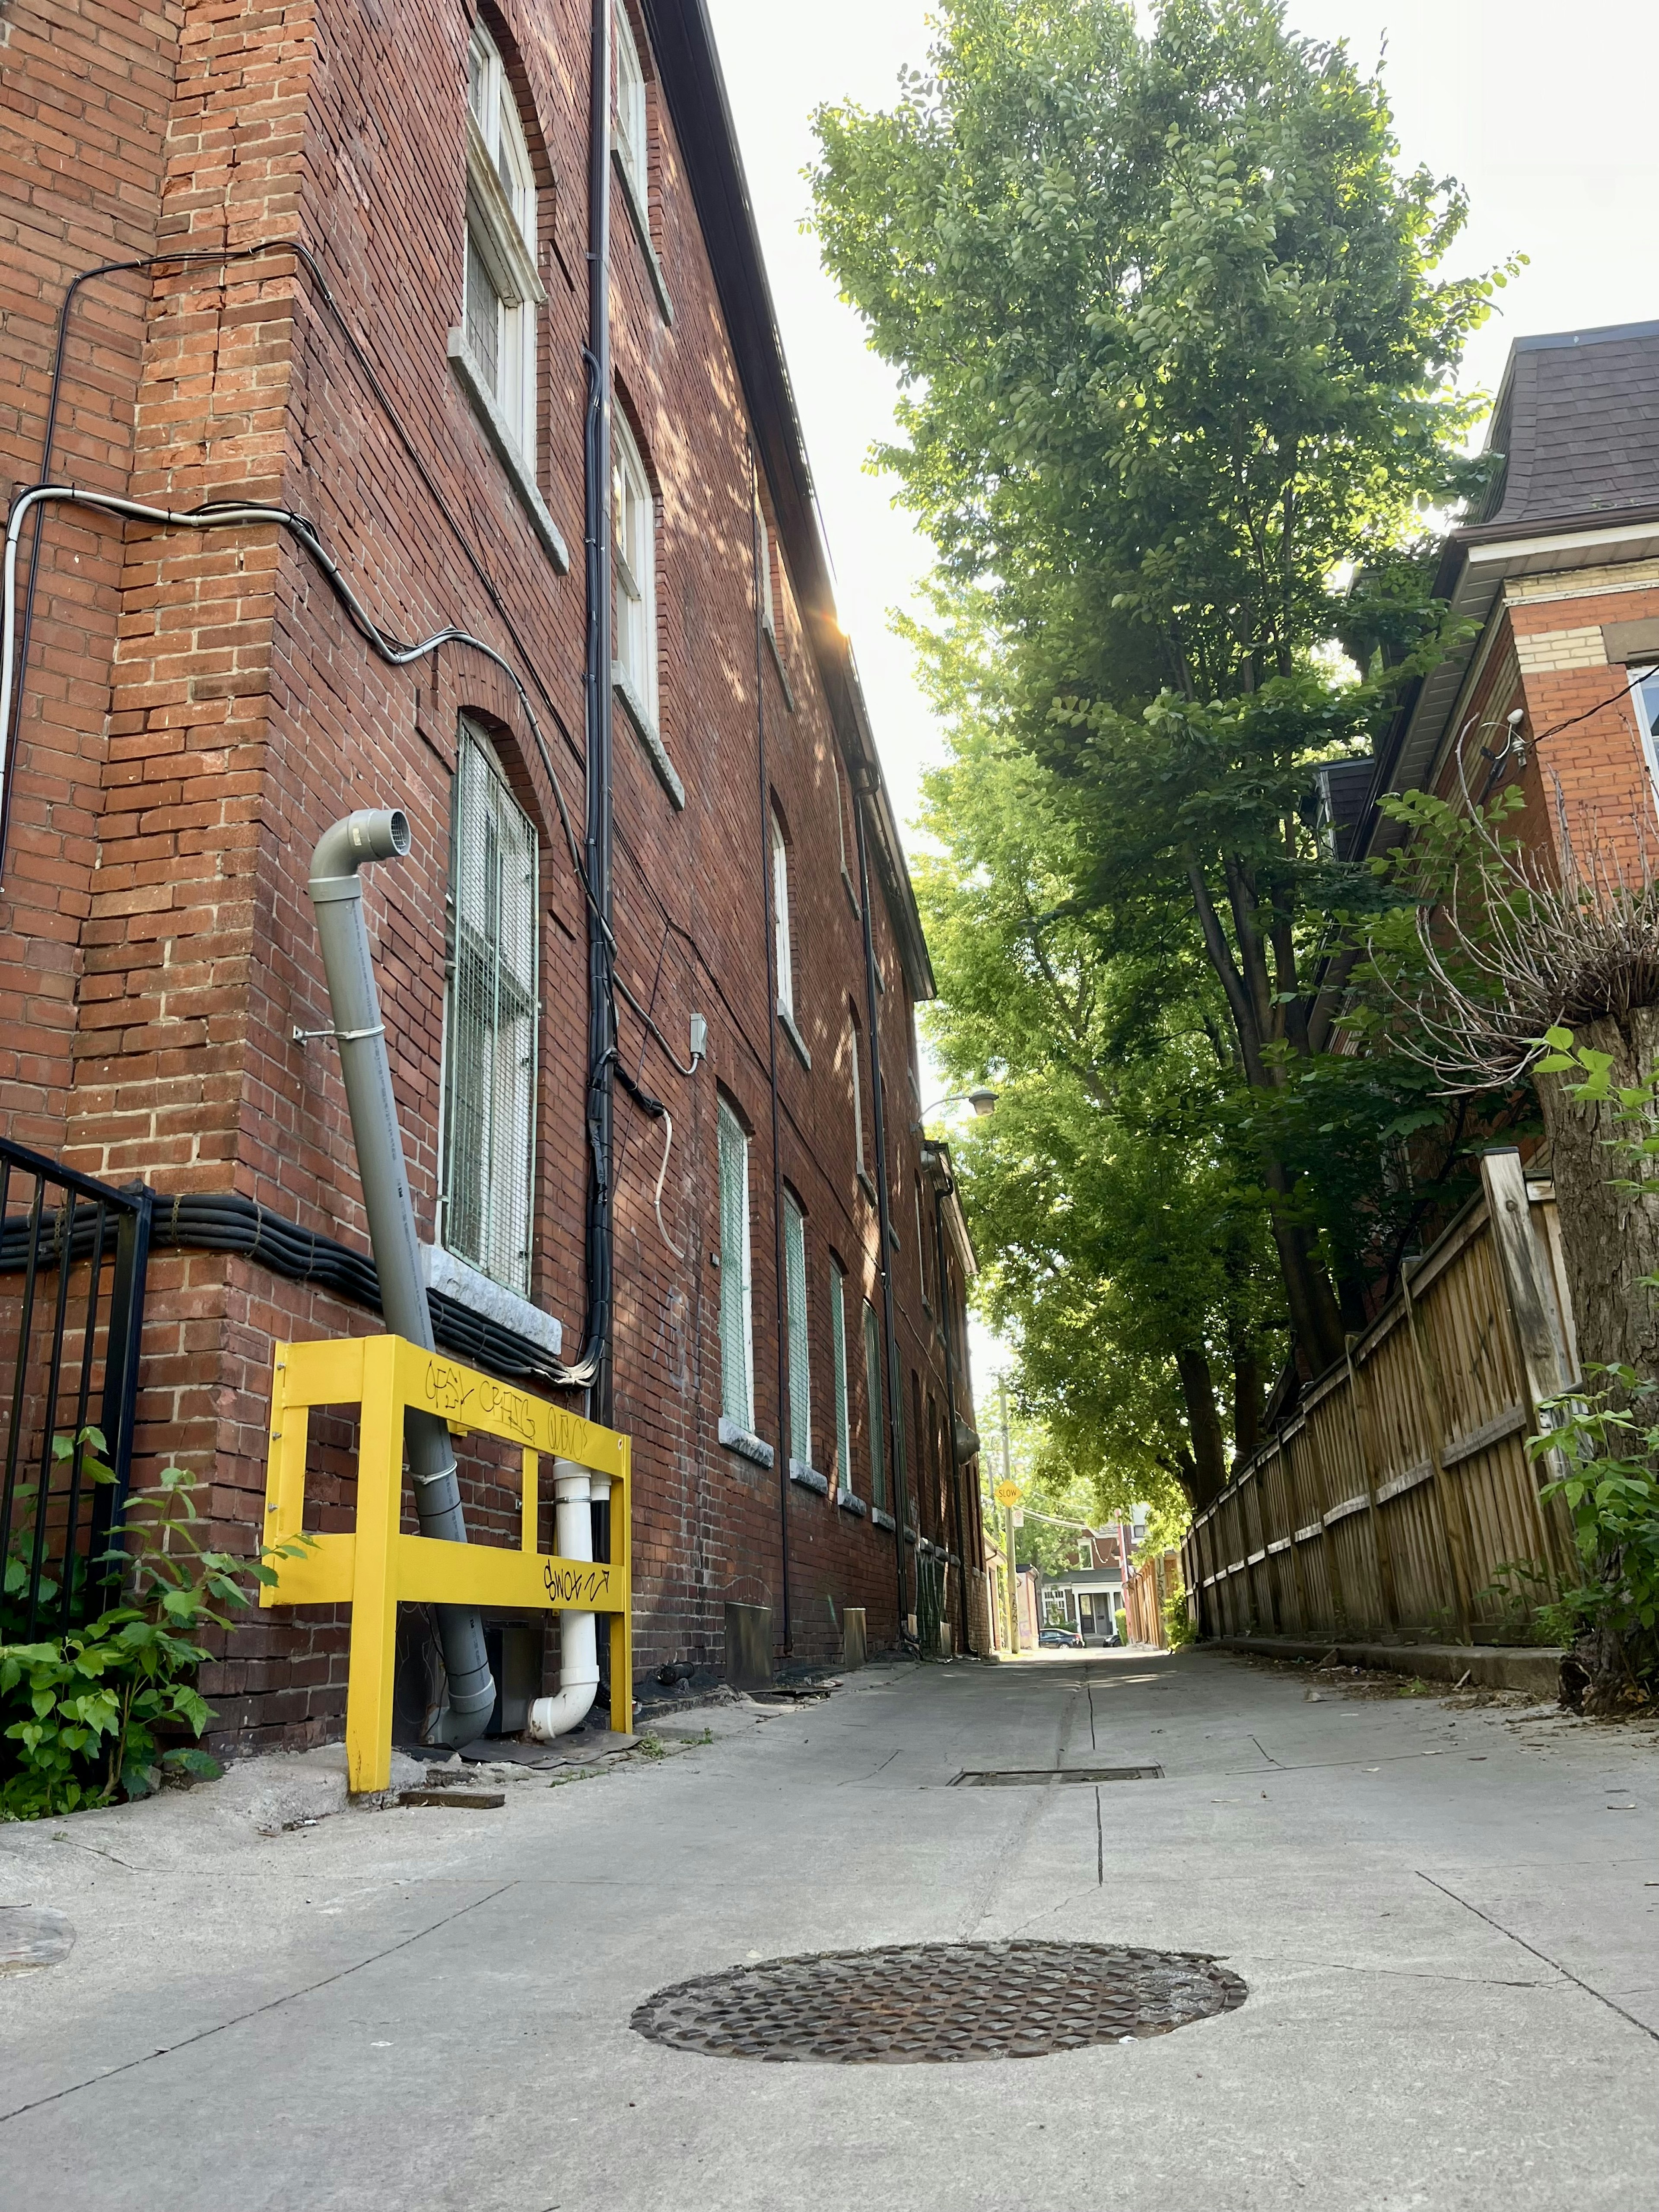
[{"x": 376, "y": 1567}]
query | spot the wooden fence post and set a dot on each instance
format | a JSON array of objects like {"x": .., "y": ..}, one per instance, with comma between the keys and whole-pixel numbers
[
  {"x": 1359, "y": 1405},
  {"x": 1543, "y": 1359},
  {"x": 1451, "y": 1500}
]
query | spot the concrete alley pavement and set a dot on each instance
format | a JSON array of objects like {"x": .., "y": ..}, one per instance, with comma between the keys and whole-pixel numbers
[{"x": 1446, "y": 1920}]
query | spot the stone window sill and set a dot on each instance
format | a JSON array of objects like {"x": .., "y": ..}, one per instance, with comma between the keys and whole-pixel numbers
[
  {"x": 746, "y": 1444},
  {"x": 852, "y": 895},
  {"x": 850, "y": 1503},
  {"x": 867, "y": 1188},
  {"x": 809, "y": 1478},
  {"x": 882, "y": 1520},
  {"x": 794, "y": 1036},
  {"x": 650, "y": 736},
  {"x": 520, "y": 474},
  {"x": 636, "y": 215},
  {"x": 463, "y": 1284}
]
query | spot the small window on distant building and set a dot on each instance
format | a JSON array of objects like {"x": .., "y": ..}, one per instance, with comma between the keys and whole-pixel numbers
[
  {"x": 634, "y": 552},
  {"x": 877, "y": 1398},
  {"x": 491, "y": 1024},
  {"x": 737, "y": 1337},
  {"x": 838, "y": 1357},
  {"x": 780, "y": 919},
  {"x": 800, "y": 1377},
  {"x": 501, "y": 287},
  {"x": 633, "y": 144}
]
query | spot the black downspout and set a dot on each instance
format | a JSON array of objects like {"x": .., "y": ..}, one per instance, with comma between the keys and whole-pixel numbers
[
  {"x": 884, "y": 1221},
  {"x": 955, "y": 1465},
  {"x": 768, "y": 913},
  {"x": 597, "y": 846}
]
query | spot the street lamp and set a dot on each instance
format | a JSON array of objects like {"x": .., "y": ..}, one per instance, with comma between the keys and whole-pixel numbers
[{"x": 981, "y": 1098}]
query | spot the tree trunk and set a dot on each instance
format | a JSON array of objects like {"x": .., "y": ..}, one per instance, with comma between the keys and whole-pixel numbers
[
  {"x": 1315, "y": 1319},
  {"x": 1609, "y": 1236},
  {"x": 1247, "y": 1401},
  {"x": 1203, "y": 1425}
]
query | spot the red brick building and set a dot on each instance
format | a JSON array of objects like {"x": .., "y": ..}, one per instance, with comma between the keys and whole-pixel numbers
[
  {"x": 1557, "y": 575},
  {"x": 385, "y": 331}
]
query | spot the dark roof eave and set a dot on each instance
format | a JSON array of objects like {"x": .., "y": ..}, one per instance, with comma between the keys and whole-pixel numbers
[{"x": 683, "y": 42}]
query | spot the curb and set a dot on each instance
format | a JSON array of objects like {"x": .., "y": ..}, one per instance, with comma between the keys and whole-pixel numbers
[{"x": 1492, "y": 1666}]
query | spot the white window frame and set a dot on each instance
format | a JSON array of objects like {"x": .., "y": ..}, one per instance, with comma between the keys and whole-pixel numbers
[
  {"x": 795, "y": 1310},
  {"x": 632, "y": 110},
  {"x": 737, "y": 1301},
  {"x": 504, "y": 1110},
  {"x": 784, "y": 952},
  {"x": 875, "y": 1392},
  {"x": 858, "y": 1095},
  {"x": 768, "y": 612},
  {"x": 838, "y": 1364},
  {"x": 634, "y": 596},
  {"x": 1644, "y": 697},
  {"x": 501, "y": 242}
]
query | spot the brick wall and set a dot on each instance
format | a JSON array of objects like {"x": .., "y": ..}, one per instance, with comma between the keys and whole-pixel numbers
[
  {"x": 1585, "y": 772},
  {"x": 199, "y": 709}
]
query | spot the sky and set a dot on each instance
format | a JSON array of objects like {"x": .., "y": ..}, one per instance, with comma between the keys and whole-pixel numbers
[{"x": 1542, "y": 112}]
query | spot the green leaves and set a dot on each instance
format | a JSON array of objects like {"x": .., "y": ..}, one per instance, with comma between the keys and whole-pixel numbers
[
  {"x": 94, "y": 1707},
  {"x": 1608, "y": 1441}
]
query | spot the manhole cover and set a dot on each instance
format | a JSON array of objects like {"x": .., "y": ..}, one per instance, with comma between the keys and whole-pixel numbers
[
  {"x": 1042, "y": 1777},
  {"x": 910, "y": 2004}
]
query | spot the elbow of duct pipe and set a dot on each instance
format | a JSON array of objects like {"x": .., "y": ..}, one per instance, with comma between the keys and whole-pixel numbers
[
  {"x": 373, "y": 832},
  {"x": 337, "y": 896},
  {"x": 574, "y": 1490}
]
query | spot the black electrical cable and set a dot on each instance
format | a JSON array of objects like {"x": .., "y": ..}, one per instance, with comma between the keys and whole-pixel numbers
[
  {"x": 603, "y": 981},
  {"x": 227, "y": 1222},
  {"x": 360, "y": 356}
]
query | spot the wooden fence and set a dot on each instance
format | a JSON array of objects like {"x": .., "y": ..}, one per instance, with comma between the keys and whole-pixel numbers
[
  {"x": 1151, "y": 1581},
  {"x": 1392, "y": 1502}
]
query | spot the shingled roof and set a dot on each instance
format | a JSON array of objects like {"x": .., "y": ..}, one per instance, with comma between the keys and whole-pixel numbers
[{"x": 1578, "y": 423}]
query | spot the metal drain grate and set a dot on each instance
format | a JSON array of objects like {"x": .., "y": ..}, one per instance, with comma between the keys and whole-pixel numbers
[
  {"x": 1042, "y": 1777},
  {"x": 911, "y": 2004}
]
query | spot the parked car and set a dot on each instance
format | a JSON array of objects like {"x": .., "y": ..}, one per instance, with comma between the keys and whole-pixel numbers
[{"x": 1063, "y": 1637}]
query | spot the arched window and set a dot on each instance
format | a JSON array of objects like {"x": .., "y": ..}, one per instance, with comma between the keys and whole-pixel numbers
[
  {"x": 737, "y": 1325},
  {"x": 490, "y": 1023},
  {"x": 502, "y": 289}
]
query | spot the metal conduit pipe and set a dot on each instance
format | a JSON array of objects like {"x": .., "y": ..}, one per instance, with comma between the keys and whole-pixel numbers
[
  {"x": 337, "y": 895},
  {"x": 575, "y": 1491}
]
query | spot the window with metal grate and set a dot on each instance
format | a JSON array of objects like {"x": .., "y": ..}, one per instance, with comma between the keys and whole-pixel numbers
[
  {"x": 490, "y": 1023},
  {"x": 736, "y": 1339}
]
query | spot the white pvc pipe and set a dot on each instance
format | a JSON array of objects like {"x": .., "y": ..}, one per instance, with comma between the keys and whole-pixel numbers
[{"x": 574, "y": 1488}]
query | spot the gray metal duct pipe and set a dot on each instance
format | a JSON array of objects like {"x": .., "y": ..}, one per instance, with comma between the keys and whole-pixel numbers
[{"x": 337, "y": 895}]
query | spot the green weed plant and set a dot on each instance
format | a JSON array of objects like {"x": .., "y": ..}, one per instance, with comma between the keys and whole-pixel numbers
[{"x": 87, "y": 1714}]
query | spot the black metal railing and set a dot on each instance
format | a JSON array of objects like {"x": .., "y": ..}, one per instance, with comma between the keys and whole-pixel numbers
[{"x": 73, "y": 1255}]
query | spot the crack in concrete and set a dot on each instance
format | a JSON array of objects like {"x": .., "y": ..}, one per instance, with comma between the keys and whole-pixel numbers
[
  {"x": 1419, "y": 1974},
  {"x": 273, "y": 2004},
  {"x": 1652, "y": 2034}
]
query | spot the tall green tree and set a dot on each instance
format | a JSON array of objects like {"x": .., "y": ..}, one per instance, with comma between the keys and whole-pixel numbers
[
  {"x": 1125, "y": 1243},
  {"x": 1175, "y": 357}
]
